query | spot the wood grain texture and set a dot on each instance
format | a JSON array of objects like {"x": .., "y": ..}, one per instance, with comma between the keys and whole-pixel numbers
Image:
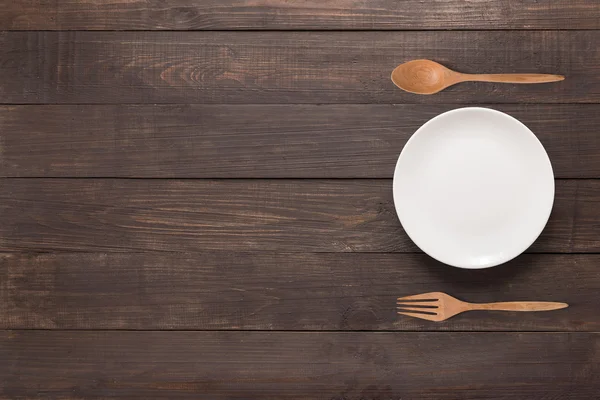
[
  {"x": 255, "y": 141},
  {"x": 283, "y": 14},
  {"x": 288, "y": 67},
  {"x": 286, "y": 365},
  {"x": 242, "y": 215},
  {"x": 266, "y": 291}
]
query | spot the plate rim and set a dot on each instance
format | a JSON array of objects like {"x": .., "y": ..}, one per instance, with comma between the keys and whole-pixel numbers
[{"x": 502, "y": 260}]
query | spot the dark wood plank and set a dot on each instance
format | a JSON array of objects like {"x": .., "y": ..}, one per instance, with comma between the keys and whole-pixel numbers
[
  {"x": 255, "y": 141},
  {"x": 286, "y": 365},
  {"x": 311, "y": 14},
  {"x": 230, "y": 215},
  {"x": 307, "y": 291},
  {"x": 287, "y": 67}
]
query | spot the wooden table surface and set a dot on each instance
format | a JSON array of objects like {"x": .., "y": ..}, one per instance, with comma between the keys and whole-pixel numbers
[{"x": 197, "y": 202}]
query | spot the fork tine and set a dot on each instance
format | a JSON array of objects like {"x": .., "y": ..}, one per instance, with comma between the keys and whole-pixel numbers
[
  {"x": 431, "y": 296},
  {"x": 426, "y": 311},
  {"x": 421, "y": 316},
  {"x": 430, "y": 304}
]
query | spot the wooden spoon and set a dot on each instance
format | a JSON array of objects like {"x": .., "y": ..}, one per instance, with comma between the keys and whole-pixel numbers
[{"x": 429, "y": 77}]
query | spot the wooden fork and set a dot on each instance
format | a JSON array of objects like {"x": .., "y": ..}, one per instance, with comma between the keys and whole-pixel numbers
[{"x": 438, "y": 306}]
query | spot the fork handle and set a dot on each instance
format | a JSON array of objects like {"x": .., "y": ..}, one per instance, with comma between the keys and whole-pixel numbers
[{"x": 520, "y": 306}]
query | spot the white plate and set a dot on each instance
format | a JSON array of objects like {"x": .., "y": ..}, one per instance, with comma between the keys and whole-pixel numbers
[{"x": 473, "y": 187}]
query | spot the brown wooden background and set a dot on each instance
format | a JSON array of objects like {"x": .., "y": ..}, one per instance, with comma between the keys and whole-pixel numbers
[{"x": 196, "y": 201}]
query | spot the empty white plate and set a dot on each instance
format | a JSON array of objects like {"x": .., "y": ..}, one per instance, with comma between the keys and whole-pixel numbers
[{"x": 473, "y": 187}]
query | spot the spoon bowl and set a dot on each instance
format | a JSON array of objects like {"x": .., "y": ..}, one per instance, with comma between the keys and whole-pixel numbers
[
  {"x": 429, "y": 77},
  {"x": 422, "y": 77}
]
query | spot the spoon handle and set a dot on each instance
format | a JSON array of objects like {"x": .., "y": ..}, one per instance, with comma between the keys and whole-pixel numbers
[
  {"x": 519, "y": 306},
  {"x": 513, "y": 78}
]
